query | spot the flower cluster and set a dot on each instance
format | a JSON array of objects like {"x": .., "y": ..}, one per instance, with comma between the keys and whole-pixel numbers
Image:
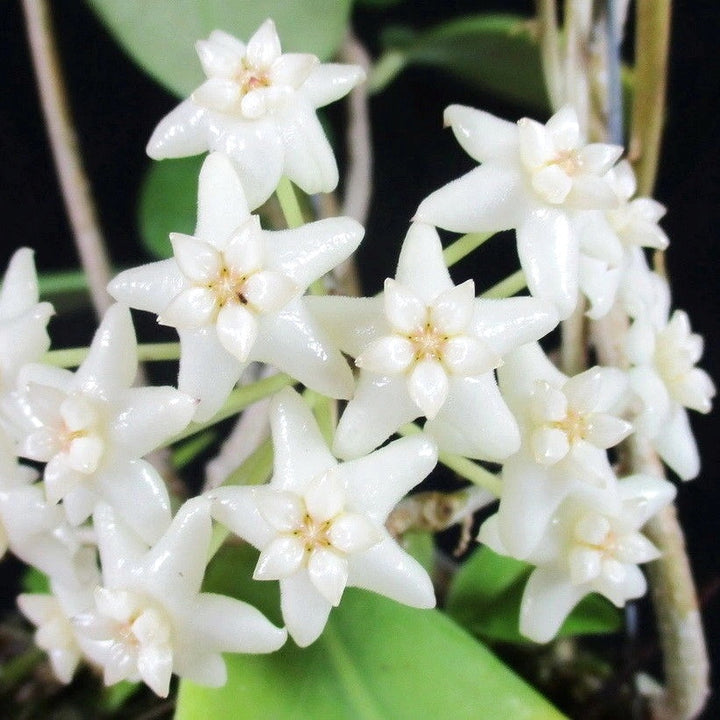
[{"x": 126, "y": 574}]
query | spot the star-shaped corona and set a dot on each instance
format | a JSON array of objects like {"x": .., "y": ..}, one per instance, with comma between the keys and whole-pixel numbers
[
  {"x": 533, "y": 178},
  {"x": 234, "y": 293},
  {"x": 257, "y": 107},
  {"x": 319, "y": 524},
  {"x": 149, "y": 618},
  {"x": 93, "y": 429},
  {"x": 428, "y": 348}
]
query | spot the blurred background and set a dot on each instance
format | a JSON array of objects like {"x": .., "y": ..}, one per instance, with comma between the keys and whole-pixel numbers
[{"x": 116, "y": 105}]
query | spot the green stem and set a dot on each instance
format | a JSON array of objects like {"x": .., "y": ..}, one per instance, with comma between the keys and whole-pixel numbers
[
  {"x": 463, "y": 246},
  {"x": 148, "y": 352},
  {"x": 289, "y": 203},
  {"x": 463, "y": 466},
  {"x": 239, "y": 399},
  {"x": 508, "y": 287},
  {"x": 652, "y": 36}
]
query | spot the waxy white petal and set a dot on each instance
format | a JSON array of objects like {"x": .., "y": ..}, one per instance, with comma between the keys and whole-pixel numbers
[
  {"x": 487, "y": 199},
  {"x": 389, "y": 570},
  {"x": 296, "y": 462},
  {"x": 304, "y": 610},
  {"x": 208, "y": 372},
  {"x": 549, "y": 257},
  {"x": 309, "y": 159},
  {"x": 482, "y": 135},
  {"x": 330, "y": 82},
  {"x": 375, "y": 483},
  {"x": 492, "y": 435},
  {"x": 180, "y": 133}
]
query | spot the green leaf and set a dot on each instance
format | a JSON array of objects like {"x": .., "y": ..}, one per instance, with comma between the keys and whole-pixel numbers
[
  {"x": 485, "y": 598},
  {"x": 168, "y": 203},
  {"x": 35, "y": 582},
  {"x": 497, "y": 54},
  {"x": 160, "y": 35},
  {"x": 376, "y": 660},
  {"x": 421, "y": 545}
]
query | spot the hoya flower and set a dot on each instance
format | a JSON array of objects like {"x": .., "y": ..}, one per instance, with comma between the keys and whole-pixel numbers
[
  {"x": 566, "y": 426},
  {"x": 428, "y": 348},
  {"x": 92, "y": 429},
  {"x": 52, "y": 615},
  {"x": 31, "y": 528},
  {"x": 610, "y": 240},
  {"x": 666, "y": 380},
  {"x": 149, "y": 618},
  {"x": 534, "y": 178},
  {"x": 234, "y": 293},
  {"x": 23, "y": 320},
  {"x": 587, "y": 548},
  {"x": 319, "y": 524},
  {"x": 257, "y": 107}
]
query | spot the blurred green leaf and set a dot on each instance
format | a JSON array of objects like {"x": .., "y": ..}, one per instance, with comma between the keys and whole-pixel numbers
[
  {"x": 376, "y": 660},
  {"x": 160, "y": 35},
  {"x": 421, "y": 545},
  {"x": 168, "y": 203},
  {"x": 35, "y": 582},
  {"x": 497, "y": 54},
  {"x": 485, "y": 598}
]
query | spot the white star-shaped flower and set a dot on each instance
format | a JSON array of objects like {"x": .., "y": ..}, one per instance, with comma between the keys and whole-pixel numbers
[
  {"x": 566, "y": 426},
  {"x": 533, "y": 178},
  {"x": 23, "y": 320},
  {"x": 52, "y": 615},
  {"x": 664, "y": 377},
  {"x": 92, "y": 429},
  {"x": 149, "y": 618},
  {"x": 610, "y": 240},
  {"x": 30, "y": 527},
  {"x": 428, "y": 348},
  {"x": 257, "y": 107},
  {"x": 320, "y": 524},
  {"x": 234, "y": 293},
  {"x": 587, "y": 548}
]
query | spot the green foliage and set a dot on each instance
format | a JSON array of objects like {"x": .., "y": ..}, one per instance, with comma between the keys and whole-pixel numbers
[
  {"x": 159, "y": 35},
  {"x": 35, "y": 581},
  {"x": 497, "y": 54},
  {"x": 485, "y": 599},
  {"x": 421, "y": 545},
  {"x": 375, "y": 660},
  {"x": 168, "y": 203}
]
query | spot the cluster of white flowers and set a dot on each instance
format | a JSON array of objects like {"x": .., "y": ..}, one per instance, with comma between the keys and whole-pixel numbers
[{"x": 126, "y": 575}]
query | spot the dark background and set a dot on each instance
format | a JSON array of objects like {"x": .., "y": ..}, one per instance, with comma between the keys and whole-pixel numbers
[{"x": 116, "y": 106}]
